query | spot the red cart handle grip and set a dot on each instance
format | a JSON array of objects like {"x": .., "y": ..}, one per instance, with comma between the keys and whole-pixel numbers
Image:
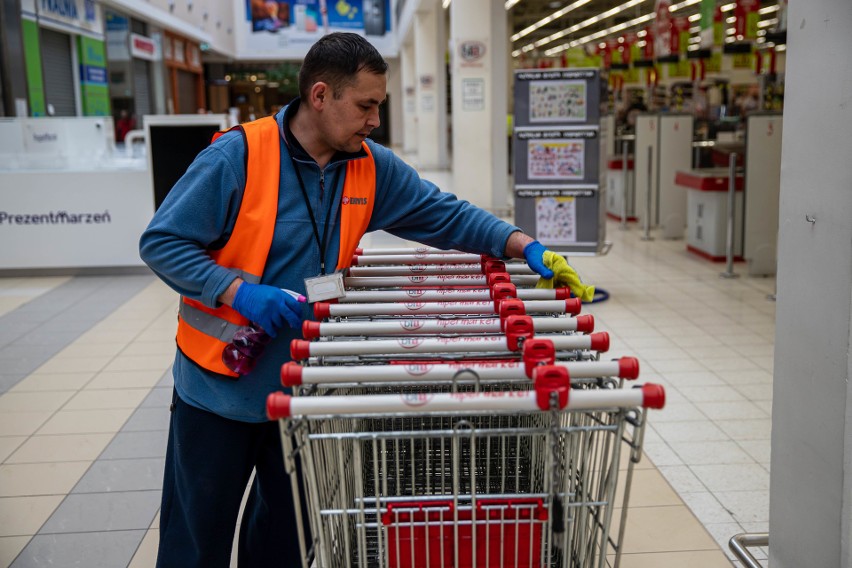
[
  {"x": 573, "y": 306},
  {"x": 653, "y": 396},
  {"x": 278, "y": 406},
  {"x": 300, "y": 349},
  {"x": 585, "y": 324},
  {"x": 549, "y": 379},
  {"x": 311, "y": 329},
  {"x": 538, "y": 352},
  {"x": 503, "y": 290},
  {"x": 518, "y": 330},
  {"x": 492, "y": 265},
  {"x": 509, "y": 307},
  {"x": 291, "y": 374},
  {"x": 628, "y": 368}
]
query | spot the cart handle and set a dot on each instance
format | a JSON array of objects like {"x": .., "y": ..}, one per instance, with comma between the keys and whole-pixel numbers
[
  {"x": 537, "y": 352},
  {"x": 280, "y": 405},
  {"x": 551, "y": 379},
  {"x": 503, "y": 290}
]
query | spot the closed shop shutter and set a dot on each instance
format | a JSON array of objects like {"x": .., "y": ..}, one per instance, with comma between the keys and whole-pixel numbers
[
  {"x": 187, "y": 103},
  {"x": 58, "y": 72},
  {"x": 141, "y": 88}
]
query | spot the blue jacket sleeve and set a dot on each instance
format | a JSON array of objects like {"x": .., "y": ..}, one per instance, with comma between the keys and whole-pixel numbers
[
  {"x": 198, "y": 214},
  {"x": 415, "y": 209}
]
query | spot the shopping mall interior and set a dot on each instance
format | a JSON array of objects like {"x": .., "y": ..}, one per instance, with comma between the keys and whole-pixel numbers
[{"x": 690, "y": 159}]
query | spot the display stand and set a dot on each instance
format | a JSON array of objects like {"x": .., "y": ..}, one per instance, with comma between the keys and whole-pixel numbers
[
  {"x": 557, "y": 158},
  {"x": 68, "y": 201},
  {"x": 763, "y": 184},
  {"x": 675, "y": 153},
  {"x": 647, "y": 136}
]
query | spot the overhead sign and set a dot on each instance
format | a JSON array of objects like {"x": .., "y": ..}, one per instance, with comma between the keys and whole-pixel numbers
[
  {"x": 76, "y": 16},
  {"x": 143, "y": 47}
]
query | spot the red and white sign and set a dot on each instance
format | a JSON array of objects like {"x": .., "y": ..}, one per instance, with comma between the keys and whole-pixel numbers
[
  {"x": 143, "y": 47},
  {"x": 662, "y": 28}
]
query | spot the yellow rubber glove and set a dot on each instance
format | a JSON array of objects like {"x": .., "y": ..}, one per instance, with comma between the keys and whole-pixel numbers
[{"x": 564, "y": 275}]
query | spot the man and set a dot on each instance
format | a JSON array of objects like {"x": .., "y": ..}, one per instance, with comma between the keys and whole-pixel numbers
[{"x": 263, "y": 208}]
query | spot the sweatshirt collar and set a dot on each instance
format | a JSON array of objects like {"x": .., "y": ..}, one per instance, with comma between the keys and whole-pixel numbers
[{"x": 296, "y": 149}]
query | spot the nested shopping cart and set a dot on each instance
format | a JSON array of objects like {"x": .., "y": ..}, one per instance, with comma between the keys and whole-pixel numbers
[
  {"x": 437, "y": 426},
  {"x": 517, "y": 478}
]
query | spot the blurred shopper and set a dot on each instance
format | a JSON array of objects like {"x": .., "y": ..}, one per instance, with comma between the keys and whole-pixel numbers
[{"x": 268, "y": 205}]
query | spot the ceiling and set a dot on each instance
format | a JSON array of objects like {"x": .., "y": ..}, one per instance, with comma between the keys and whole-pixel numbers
[{"x": 527, "y": 13}]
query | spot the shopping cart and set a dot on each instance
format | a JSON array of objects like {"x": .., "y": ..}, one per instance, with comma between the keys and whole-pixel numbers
[
  {"x": 505, "y": 478},
  {"x": 437, "y": 425}
]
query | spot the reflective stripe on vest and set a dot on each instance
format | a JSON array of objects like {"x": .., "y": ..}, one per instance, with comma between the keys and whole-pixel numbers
[{"x": 203, "y": 332}]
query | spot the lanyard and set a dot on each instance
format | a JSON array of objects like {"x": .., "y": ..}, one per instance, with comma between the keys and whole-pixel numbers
[{"x": 324, "y": 242}]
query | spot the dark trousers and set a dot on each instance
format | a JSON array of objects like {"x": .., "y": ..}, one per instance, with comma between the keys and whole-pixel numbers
[{"x": 209, "y": 461}]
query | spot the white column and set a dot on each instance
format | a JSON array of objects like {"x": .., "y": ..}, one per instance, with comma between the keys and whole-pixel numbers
[
  {"x": 395, "y": 116},
  {"x": 429, "y": 56},
  {"x": 409, "y": 98},
  {"x": 810, "y": 498},
  {"x": 479, "y": 94}
]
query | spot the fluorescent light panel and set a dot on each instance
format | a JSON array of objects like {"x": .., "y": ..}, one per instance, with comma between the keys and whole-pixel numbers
[{"x": 544, "y": 21}]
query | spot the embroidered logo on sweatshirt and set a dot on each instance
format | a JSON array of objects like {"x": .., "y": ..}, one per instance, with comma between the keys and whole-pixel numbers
[{"x": 354, "y": 200}]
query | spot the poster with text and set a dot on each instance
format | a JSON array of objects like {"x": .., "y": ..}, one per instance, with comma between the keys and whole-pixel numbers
[
  {"x": 557, "y": 101},
  {"x": 556, "y": 220},
  {"x": 556, "y": 159},
  {"x": 287, "y": 28}
]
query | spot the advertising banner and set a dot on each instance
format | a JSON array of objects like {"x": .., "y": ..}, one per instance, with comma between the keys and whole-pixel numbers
[
  {"x": 747, "y": 15},
  {"x": 662, "y": 29},
  {"x": 287, "y": 28},
  {"x": 94, "y": 89}
]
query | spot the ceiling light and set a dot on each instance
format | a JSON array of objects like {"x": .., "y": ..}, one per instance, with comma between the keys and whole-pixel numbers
[
  {"x": 731, "y": 20},
  {"x": 694, "y": 17},
  {"x": 728, "y": 7},
  {"x": 511, "y": 3},
  {"x": 767, "y": 23},
  {"x": 588, "y": 22},
  {"x": 600, "y": 34},
  {"x": 548, "y": 19},
  {"x": 685, "y": 4}
]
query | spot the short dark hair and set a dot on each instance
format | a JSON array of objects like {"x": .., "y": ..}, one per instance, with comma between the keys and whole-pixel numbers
[{"x": 336, "y": 59}]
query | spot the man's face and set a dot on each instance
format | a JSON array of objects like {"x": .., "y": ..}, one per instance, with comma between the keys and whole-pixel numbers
[{"x": 350, "y": 116}]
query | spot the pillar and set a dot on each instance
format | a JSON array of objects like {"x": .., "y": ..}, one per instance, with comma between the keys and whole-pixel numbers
[
  {"x": 810, "y": 506},
  {"x": 478, "y": 37},
  {"x": 409, "y": 98},
  {"x": 430, "y": 57}
]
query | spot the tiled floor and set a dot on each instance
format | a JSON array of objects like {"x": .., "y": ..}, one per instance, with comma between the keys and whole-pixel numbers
[{"x": 85, "y": 386}]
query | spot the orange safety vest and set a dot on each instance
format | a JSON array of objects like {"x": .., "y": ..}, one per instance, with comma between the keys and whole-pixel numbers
[{"x": 203, "y": 332}]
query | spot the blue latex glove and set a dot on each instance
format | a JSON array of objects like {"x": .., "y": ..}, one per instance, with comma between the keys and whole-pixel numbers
[
  {"x": 534, "y": 254},
  {"x": 269, "y": 307}
]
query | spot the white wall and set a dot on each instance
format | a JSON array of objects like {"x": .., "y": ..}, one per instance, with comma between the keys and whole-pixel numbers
[
  {"x": 811, "y": 481},
  {"x": 205, "y": 21}
]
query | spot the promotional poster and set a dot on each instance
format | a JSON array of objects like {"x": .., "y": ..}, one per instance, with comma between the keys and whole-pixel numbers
[{"x": 287, "y": 28}]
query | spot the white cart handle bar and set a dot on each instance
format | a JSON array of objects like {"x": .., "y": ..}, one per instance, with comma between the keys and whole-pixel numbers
[
  {"x": 293, "y": 374},
  {"x": 552, "y": 385},
  {"x": 453, "y": 294},
  {"x": 437, "y": 269},
  {"x": 418, "y": 258},
  {"x": 324, "y": 310},
  {"x": 475, "y": 280},
  {"x": 301, "y": 349},
  {"x": 404, "y": 250},
  {"x": 437, "y": 326}
]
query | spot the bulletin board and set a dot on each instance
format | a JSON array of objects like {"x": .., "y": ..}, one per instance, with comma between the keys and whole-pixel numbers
[{"x": 556, "y": 158}]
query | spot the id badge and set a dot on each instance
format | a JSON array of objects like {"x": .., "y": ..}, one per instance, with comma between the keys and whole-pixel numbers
[{"x": 325, "y": 287}]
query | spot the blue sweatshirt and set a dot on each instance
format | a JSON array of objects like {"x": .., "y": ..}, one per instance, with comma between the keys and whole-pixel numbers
[{"x": 199, "y": 215}]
